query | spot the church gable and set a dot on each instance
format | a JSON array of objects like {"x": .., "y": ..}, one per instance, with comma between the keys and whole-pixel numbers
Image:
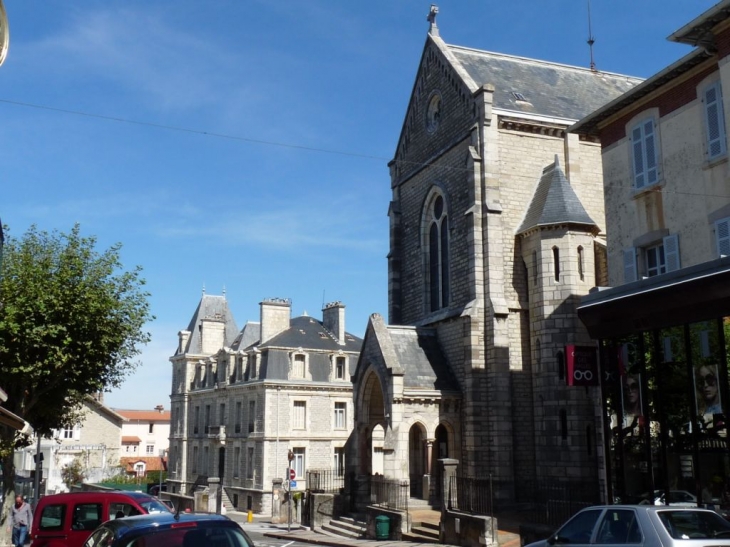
[{"x": 440, "y": 111}]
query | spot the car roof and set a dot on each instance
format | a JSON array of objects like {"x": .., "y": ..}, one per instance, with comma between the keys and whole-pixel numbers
[
  {"x": 92, "y": 494},
  {"x": 649, "y": 508},
  {"x": 163, "y": 520}
]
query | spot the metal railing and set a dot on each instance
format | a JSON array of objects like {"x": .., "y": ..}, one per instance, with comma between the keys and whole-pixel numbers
[
  {"x": 325, "y": 481},
  {"x": 389, "y": 493},
  {"x": 549, "y": 502}
]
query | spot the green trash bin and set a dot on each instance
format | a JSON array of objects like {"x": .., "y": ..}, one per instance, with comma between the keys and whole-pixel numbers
[{"x": 382, "y": 527}]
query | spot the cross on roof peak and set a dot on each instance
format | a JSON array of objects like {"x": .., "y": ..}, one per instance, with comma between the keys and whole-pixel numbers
[{"x": 433, "y": 12}]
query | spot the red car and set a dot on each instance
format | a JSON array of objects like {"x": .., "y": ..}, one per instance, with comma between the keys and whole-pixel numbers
[{"x": 68, "y": 519}]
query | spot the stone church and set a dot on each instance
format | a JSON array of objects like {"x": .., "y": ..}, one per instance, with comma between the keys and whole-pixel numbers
[{"x": 496, "y": 231}]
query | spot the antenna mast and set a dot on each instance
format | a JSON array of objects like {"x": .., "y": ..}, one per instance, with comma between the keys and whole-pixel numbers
[{"x": 591, "y": 40}]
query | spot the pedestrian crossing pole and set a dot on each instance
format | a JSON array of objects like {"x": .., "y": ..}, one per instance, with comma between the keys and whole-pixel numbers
[{"x": 289, "y": 474}]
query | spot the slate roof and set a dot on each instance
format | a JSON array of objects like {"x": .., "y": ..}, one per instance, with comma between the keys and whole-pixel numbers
[
  {"x": 549, "y": 89},
  {"x": 307, "y": 333},
  {"x": 249, "y": 335},
  {"x": 210, "y": 307},
  {"x": 554, "y": 202},
  {"x": 421, "y": 359}
]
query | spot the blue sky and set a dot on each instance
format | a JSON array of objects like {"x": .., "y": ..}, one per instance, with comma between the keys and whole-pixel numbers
[{"x": 254, "y": 151}]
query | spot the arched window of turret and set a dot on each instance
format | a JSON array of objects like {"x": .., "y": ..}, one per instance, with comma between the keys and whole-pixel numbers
[
  {"x": 534, "y": 266},
  {"x": 563, "y": 424},
  {"x": 538, "y": 355},
  {"x": 581, "y": 267},
  {"x": 560, "y": 358},
  {"x": 438, "y": 253},
  {"x": 556, "y": 263}
]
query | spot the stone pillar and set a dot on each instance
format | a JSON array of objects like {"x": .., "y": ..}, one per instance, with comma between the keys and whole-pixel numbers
[
  {"x": 214, "y": 489},
  {"x": 277, "y": 496},
  {"x": 448, "y": 470}
]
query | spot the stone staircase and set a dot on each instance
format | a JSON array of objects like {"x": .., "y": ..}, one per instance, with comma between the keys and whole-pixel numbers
[
  {"x": 423, "y": 532},
  {"x": 346, "y": 527}
]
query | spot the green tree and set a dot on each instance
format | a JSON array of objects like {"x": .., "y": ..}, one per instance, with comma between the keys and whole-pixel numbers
[
  {"x": 71, "y": 325},
  {"x": 73, "y": 473}
]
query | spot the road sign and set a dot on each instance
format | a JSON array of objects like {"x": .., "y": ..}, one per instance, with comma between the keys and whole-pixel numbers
[
  {"x": 292, "y": 484},
  {"x": 292, "y": 474}
]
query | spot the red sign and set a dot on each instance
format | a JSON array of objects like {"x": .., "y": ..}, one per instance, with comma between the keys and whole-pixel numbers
[
  {"x": 582, "y": 365},
  {"x": 292, "y": 474}
]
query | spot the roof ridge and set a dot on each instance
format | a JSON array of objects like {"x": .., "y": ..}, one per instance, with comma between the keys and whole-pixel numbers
[{"x": 544, "y": 62}]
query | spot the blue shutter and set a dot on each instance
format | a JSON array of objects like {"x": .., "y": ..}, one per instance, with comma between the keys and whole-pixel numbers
[
  {"x": 636, "y": 139},
  {"x": 645, "y": 154},
  {"x": 715, "y": 118},
  {"x": 671, "y": 252},
  {"x": 722, "y": 235},
  {"x": 630, "y": 265}
]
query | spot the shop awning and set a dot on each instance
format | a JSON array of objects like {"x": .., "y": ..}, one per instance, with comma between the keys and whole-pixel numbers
[{"x": 688, "y": 295}]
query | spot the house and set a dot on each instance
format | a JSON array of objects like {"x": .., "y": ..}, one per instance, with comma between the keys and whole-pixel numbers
[
  {"x": 663, "y": 323},
  {"x": 95, "y": 441},
  {"x": 247, "y": 405},
  {"x": 145, "y": 432},
  {"x": 496, "y": 231}
]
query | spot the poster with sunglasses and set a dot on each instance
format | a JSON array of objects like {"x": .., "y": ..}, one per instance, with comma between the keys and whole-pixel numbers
[
  {"x": 707, "y": 389},
  {"x": 631, "y": 395}
]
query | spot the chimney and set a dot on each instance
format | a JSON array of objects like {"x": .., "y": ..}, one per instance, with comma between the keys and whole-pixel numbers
[
  {"x": 183, "y": 336},
  {"x": 275, "y": 317},
  {"x": 333, "y": 318},
  {"x": 212, "y": 334}
]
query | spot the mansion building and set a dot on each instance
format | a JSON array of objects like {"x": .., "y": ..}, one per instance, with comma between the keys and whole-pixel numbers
[{"x": 244, "y": 401}]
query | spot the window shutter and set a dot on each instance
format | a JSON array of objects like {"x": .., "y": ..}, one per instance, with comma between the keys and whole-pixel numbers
[
  {"x": 652, "y": 173},
  {"x": 722, "y": 233},
  {"x": 629, "y": 265},
  {"x": 77, "y": 433},
  {"x": 714, "y": 115},
  {"x": 636, "y": 138},
  {"x": 671, "y": 252}
]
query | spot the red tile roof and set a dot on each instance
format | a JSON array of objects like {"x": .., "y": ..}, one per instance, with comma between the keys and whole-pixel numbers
[
  {"x": 145, "y": 415},
  {"x": 131, "y": 440},
  {"x": 152, "y": 463}
]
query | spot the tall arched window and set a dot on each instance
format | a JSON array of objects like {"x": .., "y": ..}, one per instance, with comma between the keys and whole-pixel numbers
[
  {"x": 581, "y": 272},
  {"x": 438, "y": 254},
  {"x": 556, "y": 263}
]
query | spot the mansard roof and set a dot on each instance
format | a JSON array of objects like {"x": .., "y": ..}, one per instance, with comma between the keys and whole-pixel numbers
[
  {"x": 249, "y": 335},
  {"x": 554, "y": 202},
  {"x": 419, "y": 355},
  {"x": 548, "y": 89},
  {"x": 210, "y": 307},
  {"x": 309, "y": 334}
]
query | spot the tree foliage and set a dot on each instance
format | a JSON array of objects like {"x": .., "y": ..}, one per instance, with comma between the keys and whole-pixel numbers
[
  {"x": 73, "y": 473},
  {"x": 71, "y": 325}
]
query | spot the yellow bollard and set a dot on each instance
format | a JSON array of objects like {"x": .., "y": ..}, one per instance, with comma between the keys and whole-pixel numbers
[{"x": 250, "y": 516}]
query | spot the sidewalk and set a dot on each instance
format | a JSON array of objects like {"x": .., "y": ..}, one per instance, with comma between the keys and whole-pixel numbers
[{"x": 307, "y": 536}]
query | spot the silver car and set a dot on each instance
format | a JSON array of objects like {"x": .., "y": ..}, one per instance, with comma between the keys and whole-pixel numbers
[{"x": 647, "y": 525}]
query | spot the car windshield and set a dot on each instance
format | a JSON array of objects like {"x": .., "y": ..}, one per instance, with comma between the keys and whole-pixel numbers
[
  {"x": 694, "y": 524},
  {"x": 154, "y": 506},
  {"x": 190, "y": 537}
]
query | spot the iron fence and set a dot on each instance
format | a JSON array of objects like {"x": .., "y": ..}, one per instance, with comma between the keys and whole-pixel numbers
[
  {"x": 470, "y": 495},
  {"x": 389, "y": 493},
  {"x": 325, "y": 481},
  {"x": 538, "y": 501}
]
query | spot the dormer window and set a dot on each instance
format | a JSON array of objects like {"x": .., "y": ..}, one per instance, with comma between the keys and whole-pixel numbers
[
  {"x": 298, "y": 365},
  {"x": 340, "y": 365}
]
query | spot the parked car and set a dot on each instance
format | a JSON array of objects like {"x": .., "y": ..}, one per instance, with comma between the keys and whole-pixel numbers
[
  {"x": 170, "y": 530},
  {"x": 677, "y": 498},
  {"x": 68, "y": 519},
  {"x": 649, "y": 525}
]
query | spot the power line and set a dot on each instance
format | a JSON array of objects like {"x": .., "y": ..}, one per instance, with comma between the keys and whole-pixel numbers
[{"x": 292, "y": 146}]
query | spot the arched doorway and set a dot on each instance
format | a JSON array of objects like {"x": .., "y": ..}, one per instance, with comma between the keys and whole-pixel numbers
[
  {"x": 376, "y": 443},
  {"x": 439, "y": 450},
  {"x": 416, "y": 459}
]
